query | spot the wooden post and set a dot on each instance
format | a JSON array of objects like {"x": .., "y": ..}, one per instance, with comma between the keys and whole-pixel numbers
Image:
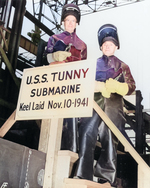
[
  {"x": 65, "y": 162},
  {"x": 143, "y": 179},
  {"x": 51, "y": 145},
  {"x": 44, "y": 135}
]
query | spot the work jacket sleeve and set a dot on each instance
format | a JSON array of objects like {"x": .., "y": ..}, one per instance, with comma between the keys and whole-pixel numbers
[
  {"x": 128, "y": 78},
  {"x": 84, "y": 53},
  {"x": 50, "y": 45}
]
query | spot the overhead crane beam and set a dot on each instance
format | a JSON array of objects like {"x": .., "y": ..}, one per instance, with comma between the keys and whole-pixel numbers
[{"x": 38, "y": 23}]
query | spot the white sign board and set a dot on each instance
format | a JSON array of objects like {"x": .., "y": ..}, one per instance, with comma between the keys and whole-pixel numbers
[{"x": 57, "y": 91}]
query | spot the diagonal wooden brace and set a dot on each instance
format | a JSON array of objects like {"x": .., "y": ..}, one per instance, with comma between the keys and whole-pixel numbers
[
  {"x": 8, "y": 124},
  {"x": 144, "y": 168}
]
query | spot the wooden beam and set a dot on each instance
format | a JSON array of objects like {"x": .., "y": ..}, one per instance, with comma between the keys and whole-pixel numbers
[
  {"x": 65, "y": 163},
  {"x": 44, "y": 135},
  {"x": 2, "y": 33},
  {"x": 8, "y": 124},
  {"x": 53, "y": 146},
  {"x": 82, "y": 183},
  {"x": 28, "y": 45}
]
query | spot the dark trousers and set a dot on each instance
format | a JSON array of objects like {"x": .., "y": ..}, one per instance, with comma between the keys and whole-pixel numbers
[
  {"x": 69, "y": 135},
  {"x": 89, "y": 129}
]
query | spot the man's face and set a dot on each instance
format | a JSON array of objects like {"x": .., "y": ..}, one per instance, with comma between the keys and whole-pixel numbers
[
  {"x": 70, "y": 23},
  {"x": 108, "y": 48}
]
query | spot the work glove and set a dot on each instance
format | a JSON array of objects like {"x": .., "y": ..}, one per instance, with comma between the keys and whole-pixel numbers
[
  {"x": 61, "y": 55},
  {"x": 113, "y": 86},
  {"x": 100, "y": 87}
]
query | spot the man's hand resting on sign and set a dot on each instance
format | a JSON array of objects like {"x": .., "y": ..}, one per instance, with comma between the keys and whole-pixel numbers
[{"x": 61, "y": 55}]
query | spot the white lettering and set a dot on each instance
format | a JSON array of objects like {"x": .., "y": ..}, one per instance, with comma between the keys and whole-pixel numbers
[{"x": 4, "y": 185}]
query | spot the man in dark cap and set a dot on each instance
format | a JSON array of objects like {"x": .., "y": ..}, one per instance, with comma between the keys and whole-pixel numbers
[
  {"x": 67, "y": 47},
  {"x": 113, "y": 81}
]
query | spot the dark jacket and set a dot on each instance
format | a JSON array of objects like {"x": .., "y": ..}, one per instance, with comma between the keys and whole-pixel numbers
[
  {"x": 112, "y": 67},
  {"x": 78, "y": 48}
]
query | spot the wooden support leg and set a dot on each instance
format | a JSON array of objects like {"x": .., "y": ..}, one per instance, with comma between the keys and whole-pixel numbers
[
  {"x": 44, "y": 135},
  {"x": 58, "y": 162},
  {"x": 52, "y": 145},
  {"x": 143, "y": 179},
  {"x": 64, "y": 166}
]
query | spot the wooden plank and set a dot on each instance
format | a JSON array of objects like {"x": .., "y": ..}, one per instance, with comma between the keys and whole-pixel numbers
[
  {"x": 144, "y": 167},
  {"x": 65, "y": 162},
  {"x": 63, "y": 170},
  {"x": 54, "y": 140},
  {"x": 3, "y": 37},
  {"x": 74, "y": 156},
  {"x": 88, "y": 183},
  {"x": 8, "y": 124},
  {"x": 28, "y": 45},
  {"x": 44, "y": 135},
  {"x": 143, "y": 181},
  {"x": 74, "y": 186}
]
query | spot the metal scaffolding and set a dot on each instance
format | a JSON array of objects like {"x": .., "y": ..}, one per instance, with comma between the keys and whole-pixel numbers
[{"x": 86, "y": 7}]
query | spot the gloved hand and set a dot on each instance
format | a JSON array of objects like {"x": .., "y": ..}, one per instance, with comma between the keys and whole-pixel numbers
[
  {"x": 113, "y": 86},
  {"x": 100, "y": 87},
  {"x": 60, "y": 55}
]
